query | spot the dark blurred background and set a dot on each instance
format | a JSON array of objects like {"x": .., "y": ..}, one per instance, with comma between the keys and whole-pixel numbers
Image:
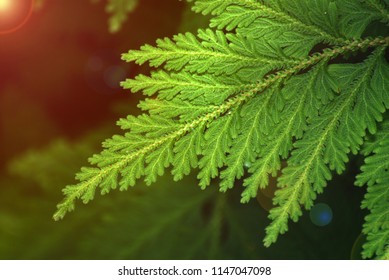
[{"x": 60, "y": 98}]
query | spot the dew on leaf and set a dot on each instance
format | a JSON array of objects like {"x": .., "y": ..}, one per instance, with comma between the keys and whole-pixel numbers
[
  {"x": 114, "y": 75},
  {"x": 247, "y": 164}
]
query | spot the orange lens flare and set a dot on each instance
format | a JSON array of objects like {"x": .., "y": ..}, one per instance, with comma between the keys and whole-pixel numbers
[
  {"x": 14, "y": 14},
  {"x": 4, "y": 5}
]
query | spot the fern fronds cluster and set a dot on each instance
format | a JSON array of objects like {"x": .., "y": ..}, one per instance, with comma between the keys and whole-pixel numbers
[{"x": 261, "y": 85}]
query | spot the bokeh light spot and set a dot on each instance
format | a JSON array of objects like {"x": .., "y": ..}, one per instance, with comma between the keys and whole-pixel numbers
[
  {"x": 321, "y": 214},
  {"x": 104, "y": 71},
  {"x": 95, "y": 64},
  {"x": 114, "y": 75}
]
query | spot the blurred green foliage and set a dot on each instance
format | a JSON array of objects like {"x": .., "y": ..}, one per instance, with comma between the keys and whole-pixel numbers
[
  {"x": 167, "y": 220},
  {"x": 118, "y": 11}
]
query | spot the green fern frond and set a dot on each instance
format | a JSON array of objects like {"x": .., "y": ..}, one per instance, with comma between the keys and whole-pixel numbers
[
  {"x": 210, "y": 52},
  {"x": 375, "y": 174},
  {"x": 218, "y": 140},
  {"x": 258, "y": 88},
  {"x": 301, "y": 103},
  {"x": 185, "y": 86},
  {"x": 385, "y": 256},
  {"x": 114, "y": 163},
  {"x": 177, "y": 108},
  {"x": 267, "y": 15},
  {"x": 359, "y": 14},
  {"x": 339, "y": 128}
]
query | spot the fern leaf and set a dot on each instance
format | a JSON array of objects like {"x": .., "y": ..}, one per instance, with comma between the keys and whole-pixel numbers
[
  {"x": 157, "y": 161},
  {"x": 248, "y": 93},
  {"x": 359, "y": 14},
  {"x": 186, "y": 150},
  {"x": 385, "y": 256},
  {"x": 212, "y": 53},
  {"x": 301, "y": 103},
  {"x": 245, "y": 146},
  {"x": 132, "y": 172},
  {"x": 86, "y": 188},
  {"x": 126, "y": 143},
  {"x": 219, "y": 140},
  {"x": 176, "y": 108},
  {"x": 185, "y": 86},
  {"x": 326, "y": 143},
  {"x": 151, "y": 126},
  {"x": 376, "y": 176},
  {"x": 272, "y": 14}
]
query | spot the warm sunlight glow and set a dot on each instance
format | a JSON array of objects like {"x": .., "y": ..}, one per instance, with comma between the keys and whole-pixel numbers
[
  {"x": 14, "y": 14},
  {"x": 5, "y": 5}
]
